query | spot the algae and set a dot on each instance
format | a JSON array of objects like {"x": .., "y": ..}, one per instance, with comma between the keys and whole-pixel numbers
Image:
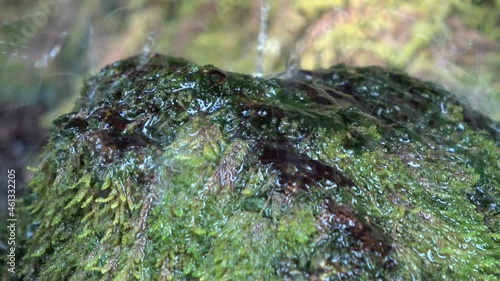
[{"x": 171, "y": 171}]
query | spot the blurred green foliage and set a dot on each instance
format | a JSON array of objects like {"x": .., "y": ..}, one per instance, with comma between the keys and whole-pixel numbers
[{"x": 454, "y": 43}]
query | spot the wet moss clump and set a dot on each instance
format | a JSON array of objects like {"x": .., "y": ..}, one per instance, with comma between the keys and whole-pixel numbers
[{"x": 171, "y": 171}]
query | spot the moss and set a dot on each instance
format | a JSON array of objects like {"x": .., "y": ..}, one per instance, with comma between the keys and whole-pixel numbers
[{"x": 171, "y": 171}]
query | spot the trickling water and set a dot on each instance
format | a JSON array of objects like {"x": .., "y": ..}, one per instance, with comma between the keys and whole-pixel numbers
[
  {"x": 146, "y": 50},
  {"x": 261, "y": 40},
  {"x": 92, "y": 54}
]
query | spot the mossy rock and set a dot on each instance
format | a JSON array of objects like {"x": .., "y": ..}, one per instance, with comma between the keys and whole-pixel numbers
[{"x": 172, "y": 171}]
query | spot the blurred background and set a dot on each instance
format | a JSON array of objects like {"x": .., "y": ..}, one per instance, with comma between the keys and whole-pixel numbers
[{"x": 48, "y": 47}]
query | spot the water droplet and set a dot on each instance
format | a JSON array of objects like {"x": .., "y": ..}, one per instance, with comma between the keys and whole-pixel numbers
[
  {"x": 440, "y": 256},
  {"x": 443, "y": 109},
  {"x": 184, "y": 86},
  {"x": 442, "y": 201},
  {"x": 480, "y": 247},
  {"x": 429, "y": 256},
  {"x": 413, "y": 164},
  {"x": 404, "y": 139},
  {"x": 271, "y": 93},
  {"x": 150, "y": 87},
  {"x": 191, "y": 111}
]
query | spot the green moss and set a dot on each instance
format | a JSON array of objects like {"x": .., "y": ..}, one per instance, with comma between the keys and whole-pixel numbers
[{"x": 171, "y": 171}]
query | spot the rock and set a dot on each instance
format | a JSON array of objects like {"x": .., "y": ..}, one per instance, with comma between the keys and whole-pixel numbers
[{"x": 172, "y": 171}]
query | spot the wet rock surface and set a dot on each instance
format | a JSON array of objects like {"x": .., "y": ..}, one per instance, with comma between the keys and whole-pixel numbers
[{"x": 172, "y": 171}]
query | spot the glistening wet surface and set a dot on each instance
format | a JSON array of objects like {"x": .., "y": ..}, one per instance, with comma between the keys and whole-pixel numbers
[{"x": 171, "y": 170}]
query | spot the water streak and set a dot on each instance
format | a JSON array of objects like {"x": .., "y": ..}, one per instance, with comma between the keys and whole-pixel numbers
[
  {"x": 146, "y": 50},
  {"x": 261, "y": 41}
]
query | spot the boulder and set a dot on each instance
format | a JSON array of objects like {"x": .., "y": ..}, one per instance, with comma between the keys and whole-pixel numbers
[{"x": 171, "y": 171}]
